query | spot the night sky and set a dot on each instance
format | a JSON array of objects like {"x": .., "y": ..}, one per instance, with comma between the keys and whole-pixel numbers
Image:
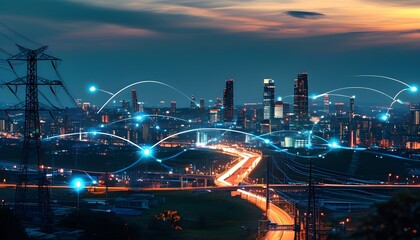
[{"x": 196, "y": 45}]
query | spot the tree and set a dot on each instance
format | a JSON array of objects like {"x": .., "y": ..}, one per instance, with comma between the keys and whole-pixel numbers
[
  {"x": 10, "y": 226},
  {"x": 173, "y": 217},
  {"x": 398, "y": 218}
]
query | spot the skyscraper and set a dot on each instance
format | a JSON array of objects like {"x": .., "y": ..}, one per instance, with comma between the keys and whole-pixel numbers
[
  {"x": 228, "y": 101},
  {"x": 278, "y": 110},
  {"x": 202, "y": 103},
  {"x": 193, "y": 105},
  {"x": 268, "y": 98},
  {"x": 173, "y": 106},
  {"x": 301, "y": 99},
  {"x": 351, "y": 110},
  {"x": 134, "y": 102},
  {"x": 326, "y": 104}
]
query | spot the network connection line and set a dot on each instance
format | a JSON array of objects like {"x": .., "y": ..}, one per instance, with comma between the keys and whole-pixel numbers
[{"x": 142, "y": 82}]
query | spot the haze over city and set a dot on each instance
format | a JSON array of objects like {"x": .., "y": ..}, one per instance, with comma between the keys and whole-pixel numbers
[{"x": 196, "y": 46}]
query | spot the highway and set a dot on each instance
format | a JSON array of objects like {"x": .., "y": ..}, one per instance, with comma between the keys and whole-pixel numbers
[{"x": 235, "y": 175}]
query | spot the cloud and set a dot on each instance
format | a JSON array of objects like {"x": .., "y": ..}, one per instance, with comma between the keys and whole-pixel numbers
[
  {"x": 409, "y": 3},
  {"x": 303, "y": 14},
  {"x": 110, "y": 31}
]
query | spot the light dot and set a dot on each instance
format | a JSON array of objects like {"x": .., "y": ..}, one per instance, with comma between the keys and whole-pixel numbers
[{"x": 146, "y": 151}]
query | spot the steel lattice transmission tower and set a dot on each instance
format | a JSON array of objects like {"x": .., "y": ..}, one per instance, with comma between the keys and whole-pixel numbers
[{"x": 27, "y": 202}]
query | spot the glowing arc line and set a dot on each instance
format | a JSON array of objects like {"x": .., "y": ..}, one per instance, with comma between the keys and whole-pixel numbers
[{"x": 140, "y": 82}]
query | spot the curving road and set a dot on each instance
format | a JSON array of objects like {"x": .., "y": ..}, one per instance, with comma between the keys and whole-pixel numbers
[{"x": 235, "y": 175}]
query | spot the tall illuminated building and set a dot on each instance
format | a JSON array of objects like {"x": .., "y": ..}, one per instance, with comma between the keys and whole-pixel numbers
[
  {"x": 326, "y": 104},
  {"x": 300, "y": 105},
  {"x": 268, "y": 98},
  {"x": 351, "y": 131},
  {"x": 351, "y": 110},
  {"x": 219, "y": 102},
  {"x": 173, "y": 106},
  {"x": 228, "y": 101},
  {"x": 415, "y": 121},
  {"x": 278, "y": 109},
  {"x": 134, "y": 102}
]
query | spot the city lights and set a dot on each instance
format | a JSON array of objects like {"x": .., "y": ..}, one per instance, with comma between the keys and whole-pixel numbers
[{"x": 193, "y": 110}]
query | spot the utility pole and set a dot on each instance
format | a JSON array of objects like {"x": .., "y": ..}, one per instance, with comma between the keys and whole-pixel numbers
[
  {"x": 311, "y": 210},
  {"x": 267, "y": 190},
  {"x": 27, "y": 204}
]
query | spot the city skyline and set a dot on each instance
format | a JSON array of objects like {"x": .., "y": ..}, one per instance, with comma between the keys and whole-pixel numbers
[
  {"x": 184, "y": 44},
  {"x": 309, "y": 111}
]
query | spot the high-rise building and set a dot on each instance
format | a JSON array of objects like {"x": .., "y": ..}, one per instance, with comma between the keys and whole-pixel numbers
[
  {"x": 202, "y": 104},
  {"x": 2, "y": 125},
  {"x": 86, "y": 106},
  {"x": 141, "y": 106},
  {"x": 173, "y": 106},
  {"x": 125, "y": 104},
  {"x": 134, "y": 102},
  {"x": 218, "y": 103},
  {"x": 79, "y": 102},
  {"x": 415, "y": 114},
  {"x": 301, "y": 99},
  {"x": 228, "y": 101},
  {"x": 278, "y": 110},
  {"x": 193, "y": 105},
  {"x": 241, "y": 122},
  {"x": 351, "y": 131},
  {"x": 414, "y": 129},
  {"x": 326, "y": 104},
  {"x": 268, "y": 98},
  {"x": 351, "y": 110},
  {"x": 214, "y": 115}
]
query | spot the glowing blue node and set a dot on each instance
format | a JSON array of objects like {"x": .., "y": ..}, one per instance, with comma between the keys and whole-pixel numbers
[
  {"x": 94, "y": 182},
  {"x": 279, "y": 99},
  {"x": 78, "y": 184},
  {"x": 159, "y": 160},
  {"x": 413, "y": 89},
  {"x": 146, "y": 152},
  {"x": 334, "y": 145},
  {"x": 102, "y": 125},
  {"x": 157, "y": 127},
  {"x": 267, "y": 141},
  {"x": 384, "y": 117},
  {"x": 353, "y": 96},
  {"x": 93, "y": 89},
  {"x": 139, "y": 118},
  {"x": 189, "y": 120}
]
